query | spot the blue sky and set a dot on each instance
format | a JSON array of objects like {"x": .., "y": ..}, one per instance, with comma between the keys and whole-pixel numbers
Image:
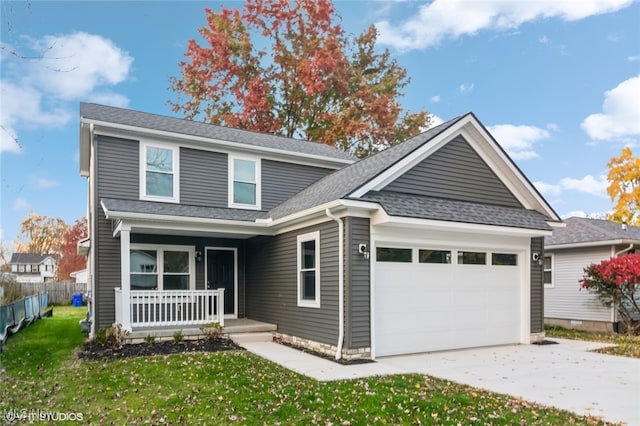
[{"x": 556, "y": 82}]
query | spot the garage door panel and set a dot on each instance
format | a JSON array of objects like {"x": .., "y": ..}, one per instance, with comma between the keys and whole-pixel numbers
[{"x": 429, "y": 307}]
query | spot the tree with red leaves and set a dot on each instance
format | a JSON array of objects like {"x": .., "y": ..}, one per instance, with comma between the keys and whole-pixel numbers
[
  {"x": 616, "y": 282},
  {"x": 70, "y": 261},
  {"x": 303, "y": 78}
]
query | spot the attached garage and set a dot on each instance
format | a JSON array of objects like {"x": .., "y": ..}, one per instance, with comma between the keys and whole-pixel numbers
[{"x": 432, "y": 295}]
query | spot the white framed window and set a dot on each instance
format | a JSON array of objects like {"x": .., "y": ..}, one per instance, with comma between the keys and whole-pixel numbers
[
  {"x": 159, "y": 178},
  {"x": 309, "y": 270},
  {"x": 155, "y": 267},
  {"x": 547, "y": 274},
  {"x": 244, "y": 182}
]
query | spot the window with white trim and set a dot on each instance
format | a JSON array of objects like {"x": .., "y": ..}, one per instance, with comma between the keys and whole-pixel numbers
[
  {"x": 547, "y": 275},
  {"x": 155, "y": 267},
  {"x": 309, "y": 270},
  {"x": 244, "y": 183},
  {"x": 159, "y": 179}
]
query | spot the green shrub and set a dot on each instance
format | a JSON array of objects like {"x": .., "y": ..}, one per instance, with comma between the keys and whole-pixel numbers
[
  {"x": 112, "y": 336},
  {"x": 178, "y": 337},
  {"x": 212, "y": 330},
  {"x": 150, "y": 339}
]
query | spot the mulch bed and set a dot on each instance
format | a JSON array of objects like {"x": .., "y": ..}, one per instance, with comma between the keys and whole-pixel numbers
[{"x": 95, "y": 352}]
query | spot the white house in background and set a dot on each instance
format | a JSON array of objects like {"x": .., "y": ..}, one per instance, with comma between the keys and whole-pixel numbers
[
  {"x": 566, "y": 253},
  {"x": 34, "y": 267},
  {"x": 79, "y": 276}
]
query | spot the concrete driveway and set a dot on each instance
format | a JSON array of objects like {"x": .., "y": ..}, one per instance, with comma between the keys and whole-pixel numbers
[{"x": 564, "y": 375}]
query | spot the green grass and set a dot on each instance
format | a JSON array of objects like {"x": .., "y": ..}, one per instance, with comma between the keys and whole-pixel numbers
[
  {"x": 232, "y": 387},
  {"x": 628, "y": 346}
]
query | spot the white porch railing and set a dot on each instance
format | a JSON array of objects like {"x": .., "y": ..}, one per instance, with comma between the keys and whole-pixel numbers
[{"x": 155, "y": 308}]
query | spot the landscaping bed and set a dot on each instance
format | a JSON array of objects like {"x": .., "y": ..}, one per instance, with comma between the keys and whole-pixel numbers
[{"x": 96, "y": 352}]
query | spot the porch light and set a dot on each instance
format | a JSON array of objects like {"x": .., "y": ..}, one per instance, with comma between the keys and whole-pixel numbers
[
  {"x": 198, "y": 256},
  {"x": 364, "y": 251}
]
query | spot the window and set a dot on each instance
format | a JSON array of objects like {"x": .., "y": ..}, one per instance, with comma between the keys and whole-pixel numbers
[
  {"x": 28, "y": 268},
  {"x": 244, "y": 183},
  {"x": 162, "y": 268},
  {"x": 472, "y": 258},
  {"x": 506, "y": 259},
  {"x": 309, "y": 270},
  {"x": 548, "y": 271},
  {"x": 386, "y": 254},
  {"x": 434, "y": 256},
  {"x": 158, "y": 173}
]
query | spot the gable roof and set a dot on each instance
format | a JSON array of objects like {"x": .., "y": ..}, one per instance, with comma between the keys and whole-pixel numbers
[
  {"x": 343, "y": 182},
  {"x": 126, "y": 118},
  {"x": 584, "y": 232},
  {"x": 32, "y": 258}
]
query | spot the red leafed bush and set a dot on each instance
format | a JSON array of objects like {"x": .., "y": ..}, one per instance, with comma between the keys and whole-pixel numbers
[{"x": 616, "y": 282}]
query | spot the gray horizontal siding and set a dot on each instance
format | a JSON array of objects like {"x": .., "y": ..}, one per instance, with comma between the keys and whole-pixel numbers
[
  {"x": 456, "y": 172},
  {"x": 357, "y": 283},
  {"x": 280, "y": 181},
  {"x": 203, "y": 178},
  {"x": 537, "y": 289},
  {"x": 107, "y": 272},
  {"x": 271, "y": 282},
  {"x": 118, "y": 168}
]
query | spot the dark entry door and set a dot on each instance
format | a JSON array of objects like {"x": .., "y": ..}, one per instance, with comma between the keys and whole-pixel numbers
[{"x": 221, "y": 273}]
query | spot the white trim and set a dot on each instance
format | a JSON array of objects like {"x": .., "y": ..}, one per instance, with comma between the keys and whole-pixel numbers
[
  {"x": 231, "y": 179},
  {"x": 341, "y": 300},
  {"x": 175, "y": 158},
  {"x": 160, "y": 249},
  {"x": 591, "y": 244},
  {"x": 311, "y": 236},
  {"x": 552, "y": 284},
  {"x": 235, "y": 276}
]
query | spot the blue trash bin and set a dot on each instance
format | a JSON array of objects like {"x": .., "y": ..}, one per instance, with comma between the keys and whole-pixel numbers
[{"x": 77, "y": 299}]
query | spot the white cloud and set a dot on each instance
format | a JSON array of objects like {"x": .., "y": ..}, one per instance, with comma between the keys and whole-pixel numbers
[
  {"x": 73, "y": 65},
  {"x": 580, "y": 213},
  {"x": 435, "y": 120},
  {"x": 633, "y": 58},
  {"x": 466, "y": 87},
  {"x": 20, "y": 204},
  {"x": 588, "y": 184},
  {"x": 544, "y": 39},
  {"x": 36, "y": 92},
  {"x": 38, "y": 182},
  {"x": 435, "y": 99},
  {"x": 620, "y": 115},
  {"x": 518, "y": 141},
  {"x": 451, "y": 19}
]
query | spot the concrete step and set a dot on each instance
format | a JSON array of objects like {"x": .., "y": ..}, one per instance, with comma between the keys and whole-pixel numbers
[{"x": 240, "y": 338}]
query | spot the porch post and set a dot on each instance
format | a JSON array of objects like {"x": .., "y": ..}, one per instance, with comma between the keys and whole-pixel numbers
[
  {"x": 125, "y": 278},
  {"x": 220, "y": 309}
]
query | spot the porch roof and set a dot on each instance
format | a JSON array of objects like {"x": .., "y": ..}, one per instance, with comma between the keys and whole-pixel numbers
[{"x": 113, "y": 207}]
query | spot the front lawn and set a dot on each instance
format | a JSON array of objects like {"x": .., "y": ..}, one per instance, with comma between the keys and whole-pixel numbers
[
  {"x": 628, "y": 346},
  {"x": 231, "y": 387}
]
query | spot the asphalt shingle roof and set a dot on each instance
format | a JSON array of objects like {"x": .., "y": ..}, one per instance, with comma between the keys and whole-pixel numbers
[
  {"x": 195, "y": 128},
  {"x": 32, "y": 258},
  {"x": 170, "y": 209},
  {"x": 341, "y": 183},
  {"x": 408, "y": 205},
  {"x": 583, "y": 230}
]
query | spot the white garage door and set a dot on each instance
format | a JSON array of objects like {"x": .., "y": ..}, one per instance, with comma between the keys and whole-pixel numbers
[{"x": 436, "y": 299}]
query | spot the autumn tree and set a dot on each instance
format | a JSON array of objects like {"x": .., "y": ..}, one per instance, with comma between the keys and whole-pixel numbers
[
  {"x": 41, "y": 234},
  {"x": 616, "y": 282},
  {"x": 287, "y": 68},
  {"x": 70, "y": 261},
  {"x": 624, "y": 187}
]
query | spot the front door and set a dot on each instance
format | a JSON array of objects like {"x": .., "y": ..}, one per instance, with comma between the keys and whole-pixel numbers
[{"x": 221, "y": 273}]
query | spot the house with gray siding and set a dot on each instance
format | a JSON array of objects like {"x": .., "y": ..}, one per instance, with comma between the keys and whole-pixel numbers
[
  {"x": 431, "y": 244},
  {"x": 567, "y": 252}
]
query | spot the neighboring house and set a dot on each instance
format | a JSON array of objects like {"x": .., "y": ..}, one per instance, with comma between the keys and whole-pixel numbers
[
  {"x": 33, "y": 267},
  {"x": 566, "y": 253},
  {"x": 80, "y": 277},
  {"x": 425, "y": 246}
]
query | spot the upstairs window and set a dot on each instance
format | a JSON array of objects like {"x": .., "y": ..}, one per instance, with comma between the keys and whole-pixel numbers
[
  {"x": 244, "y": 183},
  {"x": 158, "y": 173}
]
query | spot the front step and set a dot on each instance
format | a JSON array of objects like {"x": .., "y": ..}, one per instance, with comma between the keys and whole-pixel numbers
[{"x": 241, "y": 338}]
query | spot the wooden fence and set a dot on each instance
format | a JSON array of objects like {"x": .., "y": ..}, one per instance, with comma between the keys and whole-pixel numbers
[{"x": 59, "y": 292}]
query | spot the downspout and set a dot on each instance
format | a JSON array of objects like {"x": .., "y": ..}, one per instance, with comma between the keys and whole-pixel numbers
[
  {"x": 623, "y": 250},
  {"x": 340, "y": 283}
]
